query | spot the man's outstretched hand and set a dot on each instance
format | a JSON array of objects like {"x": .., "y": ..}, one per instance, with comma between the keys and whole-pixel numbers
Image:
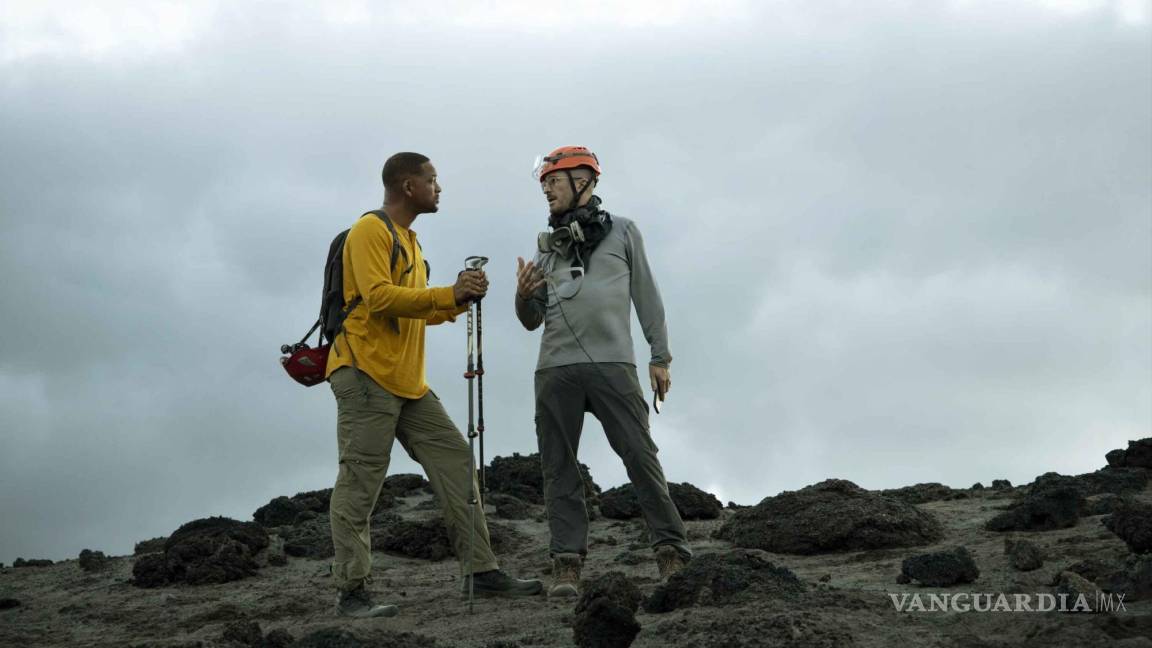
[{"x": 529, "y": 278}]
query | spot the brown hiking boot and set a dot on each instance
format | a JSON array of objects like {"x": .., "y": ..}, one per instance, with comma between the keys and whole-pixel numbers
[
  {"x": 668, "y": 561},
  {"x": 565, "y": 575}
]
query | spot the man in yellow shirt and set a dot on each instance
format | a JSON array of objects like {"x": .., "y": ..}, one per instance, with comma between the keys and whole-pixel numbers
[{"x": 376, "y": 371}]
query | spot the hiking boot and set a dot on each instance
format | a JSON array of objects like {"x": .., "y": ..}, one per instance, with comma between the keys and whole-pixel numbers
[
  {"x": 565, "y": 575},
  {"x": 358, "y": 603},
  {"x": 668, "y": 561},
  {"x": 496, "y": 583}
]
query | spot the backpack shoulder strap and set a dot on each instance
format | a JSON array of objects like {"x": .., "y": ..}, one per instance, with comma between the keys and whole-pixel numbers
[{"x": 397, "y": 249}]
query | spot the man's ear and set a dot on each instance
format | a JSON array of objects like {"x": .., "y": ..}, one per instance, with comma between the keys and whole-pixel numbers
[{"x": 407, "y": 186}]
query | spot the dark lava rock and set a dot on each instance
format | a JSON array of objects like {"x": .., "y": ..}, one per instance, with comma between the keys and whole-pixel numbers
[
  {"x": 428, "y": 539},
  {"x": 342, "y": 638},
  {"x": 521, "y": 476},
  {"x": 508, "y": 507},
  {"x": 1055, "y": 506},
  {"x": 34, "y": 562},
  {"x": 1131, "y": 520},
  {"x": 208, "y": 550},
  {"x": 309, "y": 539},
  {"x": 977, "y": 486},
  {"x": 1114, "y": 480},
  {"x": 304, "y": 507},
  {"x": 150, "y": 546},
  {"x": 9, "y": 603},
  {"x": 278, "y": 638},
  {"x": 1102, "y": 504},
  {"x": 921, "y": 493},
  {"x": 606, "y": 613},
  {"x": 404, "y": 484},
  {"x": 1076, "y": 586},
  {"x": 718, "y": 579},
  {"x": 91, "y": 561},
  {"x": 1093, "y": 569},
  {"x": 1138, "y": 455},
  {"x": 941, "y": 568},
  {"x": 1131, "y": 577},
  {"x": 833, "y": 515},
  {"x": 1024, "y": 555},
  {"x": 620, "y": 503},
  {"x": 247, "y": 633},
  {"x": 1001, "y": 484}
]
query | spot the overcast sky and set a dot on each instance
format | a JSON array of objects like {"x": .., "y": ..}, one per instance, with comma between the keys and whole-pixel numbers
[{"x": 897, "y": 241}]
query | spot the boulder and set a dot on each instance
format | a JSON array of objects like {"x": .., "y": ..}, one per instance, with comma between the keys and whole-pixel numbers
[
  {"x": 1102, "y": 504},
  {"x": 724, "y": 578},
  {"x": 605, "y": 615},
  {"x": 304, "y": 507},
  {"x": 246, "y": 633},
  {"x": 343, "y": 638},
  {"x": 1131, "y": 520},
  {"x": 1023, "y": 555},
  {"x": 1078, "y": 589},
  {"x": 508, "y": 507},
  {"x": 34, "y": 562},
  {"x": 429, "y": 540},
  {"x": 1044, "y": 508},
  {"x": 620, "y": 503},
  {"x": 1001, "y": 484},
  {"x": 150, "y": 546},
  {"x": 941, "y": 568},
  {"x": 309, "y": 539},
  {"x": 927, "y": 492},
  {"x": 1137, "y": 455},
  {"x": 833, "y": 515},
  {"x": 521, "y": 477},
  {"x": 208, "y": 550},
  {"x": 91, "y": 561}
]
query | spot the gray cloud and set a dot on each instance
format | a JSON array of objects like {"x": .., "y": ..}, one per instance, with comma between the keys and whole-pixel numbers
[{"x": 903, "y": 247}]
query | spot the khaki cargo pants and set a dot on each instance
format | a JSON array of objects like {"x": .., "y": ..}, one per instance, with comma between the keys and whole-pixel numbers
[{"x": 368, "y": 419}]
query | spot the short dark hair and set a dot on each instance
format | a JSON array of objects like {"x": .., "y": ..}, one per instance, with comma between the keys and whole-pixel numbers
[{"x": 400, "y": 166}]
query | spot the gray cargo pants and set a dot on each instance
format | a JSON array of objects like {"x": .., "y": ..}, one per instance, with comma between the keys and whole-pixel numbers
[{"x": 612, "y": 393}]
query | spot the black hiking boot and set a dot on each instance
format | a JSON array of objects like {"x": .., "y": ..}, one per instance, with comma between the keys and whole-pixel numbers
[
  {"x": 358, "y": 603},
  {"x": 496, "y": 583}
]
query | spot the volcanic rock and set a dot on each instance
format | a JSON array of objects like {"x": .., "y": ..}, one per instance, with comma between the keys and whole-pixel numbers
[
  {"x": 278, "y": 638},
  {"x": 307, "y": 506},
  {"x": 508, "y": 507},
  {"x": 620, "y": 503},
  {"x": 208, "y": 550},
  {"x": 9, "y": 603},
  {"x": 342, "y": 638},
  {"x": 1024, "y": 555},
  {"x": 921, "y": 493},
  {"x": 405, "y": 484},
  {"x": 1001, "y": 484},
  {"x": 941, "y": 568},
  {"x": 606, "y": 613},
  {"x": 833, "y": 515},
  {"x": 429, "y": 540},
  {"x": 521, "y": 477},
  {"x": 1077, "y": 588},
  {"x": 34, "y": 562},
  {"x": 309, "y": 539},
  {"x": 247, "y": 633},
  {"x": 149, "y": 546},
  {"x": 91, "y": 561},
  {"x": 1044, "y": 508},
  {"x": 1137, "y": 455},
  {"x": 1132, "y": 521},
  {"x": 1103, "y": 504},
  {"x": 722, "y": 578}
]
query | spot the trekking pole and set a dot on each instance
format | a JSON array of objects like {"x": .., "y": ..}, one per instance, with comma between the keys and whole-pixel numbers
[
  {"x": 480, "y": 393},
  {"x": 471, "y": 263}
]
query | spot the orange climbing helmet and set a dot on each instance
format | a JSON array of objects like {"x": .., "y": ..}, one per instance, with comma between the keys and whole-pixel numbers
[{"x": 566, "y": 157}]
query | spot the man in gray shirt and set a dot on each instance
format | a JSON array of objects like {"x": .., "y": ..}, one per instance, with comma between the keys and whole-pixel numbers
[{"x": 589, "y": 271}]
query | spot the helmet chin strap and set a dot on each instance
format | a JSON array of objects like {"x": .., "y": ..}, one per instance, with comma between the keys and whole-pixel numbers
[{"x": 576, "y": 195}]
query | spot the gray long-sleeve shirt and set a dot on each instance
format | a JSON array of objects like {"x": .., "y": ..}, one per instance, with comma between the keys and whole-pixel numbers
[{"x": 595, "y": 309}]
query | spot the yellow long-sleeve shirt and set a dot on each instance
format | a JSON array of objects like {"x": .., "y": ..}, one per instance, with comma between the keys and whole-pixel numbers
[{"x": 395, "y": 360}]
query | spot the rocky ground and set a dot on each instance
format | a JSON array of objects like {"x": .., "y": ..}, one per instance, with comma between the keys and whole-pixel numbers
[{"x": 808, "y": 568}]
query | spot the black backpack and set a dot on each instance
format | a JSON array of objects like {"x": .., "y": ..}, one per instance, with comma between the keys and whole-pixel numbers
[{"x": 333, "y": 310}]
